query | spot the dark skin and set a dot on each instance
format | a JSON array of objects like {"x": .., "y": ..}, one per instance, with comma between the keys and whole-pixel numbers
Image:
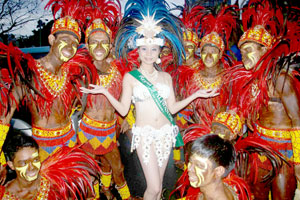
[
  {"x": 210, "y": 56},
  {"x": 20, "y": 187},
  {"x": 103, "y": 67},
  {"x": 281, "y": 114},
  {"x": 53, "y": 62},
  {"x": 101, "y": 110}
]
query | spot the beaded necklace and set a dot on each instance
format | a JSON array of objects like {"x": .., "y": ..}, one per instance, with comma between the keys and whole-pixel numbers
[
  {"x": 105, "y": 80},
  {"x": 42, "y": 193},
  {"x": 207, "y": 84},
  {"x": 55, "y": 84}
]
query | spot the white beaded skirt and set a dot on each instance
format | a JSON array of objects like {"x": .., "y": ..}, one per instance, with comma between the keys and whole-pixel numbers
[{"x": 163, "y": 139}]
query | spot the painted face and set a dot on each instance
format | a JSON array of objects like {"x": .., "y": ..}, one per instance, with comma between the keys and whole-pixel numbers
[
  {"x": 210, "y": 55},
  {"x": 99, "y": 45},
  {"x": 190, "y": 49},
  {"x": 148, "y": 54},
  {"x": 65, "y": 46},
  {"x": 165, "y": 51},
  {"x": 199, "y": 171},
  {"x": 223, "y": 131},
  {"x": 27, "y": 163},
  {"x": 251, "y": 53}
]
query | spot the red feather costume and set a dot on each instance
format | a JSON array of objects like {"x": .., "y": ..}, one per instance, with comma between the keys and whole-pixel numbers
[
  {"x": 246, "y": 149},
  {"x": 42, "y": 89},
  {"x": 216, "y": 27},
  {"x": 251, "y": 90},
  {"x": 98, "y": 134}
]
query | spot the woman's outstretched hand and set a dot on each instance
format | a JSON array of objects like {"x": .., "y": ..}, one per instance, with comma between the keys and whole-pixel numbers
[
  {"x": 207, "y": 93},
  {"x": 95, "y": 89}
]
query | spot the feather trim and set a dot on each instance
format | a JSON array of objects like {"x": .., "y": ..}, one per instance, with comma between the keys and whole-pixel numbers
[{"x": 70, "y": 172}]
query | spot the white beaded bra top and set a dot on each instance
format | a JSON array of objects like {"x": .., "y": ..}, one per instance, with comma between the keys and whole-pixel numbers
[{"x": 141, "y": 93}]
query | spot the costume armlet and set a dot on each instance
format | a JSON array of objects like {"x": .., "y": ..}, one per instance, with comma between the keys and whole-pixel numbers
[
  {"x": 130, "y": 117},
  {"x": 295, "y": 136},
  {"x": 3, "y": 132}
]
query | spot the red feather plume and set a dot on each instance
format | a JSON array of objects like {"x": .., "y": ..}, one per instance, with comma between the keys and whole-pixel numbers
[
  {"x": 108, "y": 11},
  {"x": 72, "y": 8},
  {"x": 221, "y": 21},
  {"x": 190, "y": 14},
  {"x": 262, "y": 13},
  {"x": 70, "y": 172}
]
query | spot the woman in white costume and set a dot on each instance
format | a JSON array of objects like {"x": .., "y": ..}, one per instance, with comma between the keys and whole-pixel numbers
[{"x": 147, "y": 23}]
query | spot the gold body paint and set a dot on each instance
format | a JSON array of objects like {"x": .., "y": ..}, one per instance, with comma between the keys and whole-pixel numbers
[
  {"x": 215, "y": 59},
  {"x": 23, "y": 169},
  {"x": 62, "y": 45},
  {"x": 93, "y": 46},
  {"x": 199, "y": 172},
  {"x": 251, "y": 56}
]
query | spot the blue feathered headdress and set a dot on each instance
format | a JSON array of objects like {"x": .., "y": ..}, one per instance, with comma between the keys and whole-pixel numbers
[{"x": 148, "y": 22}]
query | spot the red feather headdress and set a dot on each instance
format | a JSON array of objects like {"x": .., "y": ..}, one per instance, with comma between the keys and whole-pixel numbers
[
  {"x": 70, "y": 12},
  {"x": 216, "y": 25},
  {"x": 260, "y": 22},
  {"x": 265, "y": 24},
  {"x": 104, "y": 16},
  {"x": 189, "y": 17}
]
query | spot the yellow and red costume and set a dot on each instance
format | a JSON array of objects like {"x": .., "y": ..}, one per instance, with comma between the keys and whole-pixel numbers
[
  {"x": 189, "y": 19},
  {"x": 249, "y": 88},
  {"x": 42, "y": 194},
  {"x": 42, "y": 88},
  {"x": 215, "y": 30},
  {"x": 96, "y": 136},
  {"x": 252, "y": 92},
  {"x": 100, "y": 137},
  {"x": 249, "y": 146}
]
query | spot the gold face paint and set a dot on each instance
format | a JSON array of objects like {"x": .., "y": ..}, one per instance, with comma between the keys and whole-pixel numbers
[
  {"x": 199, "y": 171},
  {"x": 215, "y": 57},
  {"x": 62, "y": 45},
  {"x": 23, "y": 170},
  {"x": 93, "y": 46},
  {"x": 252, "y": 56},
  {"x": 190, "y": 50},
  {"x": 106, "y": 48}
]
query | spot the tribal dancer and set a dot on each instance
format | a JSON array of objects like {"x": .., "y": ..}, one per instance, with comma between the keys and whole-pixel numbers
[
  {"x": 146, "y": 24},
  {"x": 209, "y": 173},
  {"x": 49, "y": 85},
  {"x": 97, "y": 130},
  {"x": 265, "y": 92},
  {"x": 67, "y": 174},
  {"x": 216, "y": 27},
  {"x": 228, "y": 126}
]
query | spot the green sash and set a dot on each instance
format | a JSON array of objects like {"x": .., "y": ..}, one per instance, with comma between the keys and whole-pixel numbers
[{"x": 159, "y": 101}]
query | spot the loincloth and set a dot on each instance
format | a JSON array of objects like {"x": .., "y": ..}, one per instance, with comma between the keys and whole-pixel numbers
[
  {"x": 97, "y": 137},
  {"x": 50, "y": 140},
  {"x": 283, "y": 140}
]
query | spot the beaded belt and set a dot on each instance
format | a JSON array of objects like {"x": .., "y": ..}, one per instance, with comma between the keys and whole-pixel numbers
[
  {"x": 99, "y": 124},
  {"x": 276, "y": 133},
  {"x": 51, "y": 132}
]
